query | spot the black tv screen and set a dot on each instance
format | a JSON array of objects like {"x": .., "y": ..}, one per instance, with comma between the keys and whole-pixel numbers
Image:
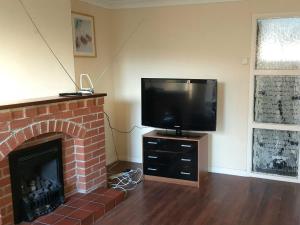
[{"x": 180, "y": 104}]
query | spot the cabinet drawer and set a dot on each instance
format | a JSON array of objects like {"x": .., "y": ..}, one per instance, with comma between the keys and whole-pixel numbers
[
  {"x": 170, "y": 158},
  {"x": 187, "y": 173},
  {"x": 169, "y": 145},
  {"x": 188, "y": 158},
  {"x": 170, "y": 170},
  {"x": 154, "y": 169},
  {"x": 161, "y": 157},
  {"x": 152, "y": 143},
  {"x": 187, "y": 146}
]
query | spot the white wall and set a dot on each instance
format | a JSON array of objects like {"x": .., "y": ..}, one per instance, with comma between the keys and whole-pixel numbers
[
  {"x": 195, "y": 41},
  {"x": 27, "y": 68}
]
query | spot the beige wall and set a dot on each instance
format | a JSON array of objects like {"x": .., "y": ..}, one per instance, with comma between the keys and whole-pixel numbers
[
  {"x": 27, "y": 69},
  {"x": 98, "y": 65},
  {"x": 195, "y": 41}
]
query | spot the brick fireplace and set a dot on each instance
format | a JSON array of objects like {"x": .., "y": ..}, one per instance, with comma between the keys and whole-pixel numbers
[{"x": 80, "y": 123}]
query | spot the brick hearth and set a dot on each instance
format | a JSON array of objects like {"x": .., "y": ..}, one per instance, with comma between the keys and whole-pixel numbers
[
  {"x": 82, "y": 209},
  {"x": 80, "y": 121}
]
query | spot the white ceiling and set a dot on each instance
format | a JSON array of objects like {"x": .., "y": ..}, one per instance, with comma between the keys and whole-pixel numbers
[{"x": 117, "y": 4}]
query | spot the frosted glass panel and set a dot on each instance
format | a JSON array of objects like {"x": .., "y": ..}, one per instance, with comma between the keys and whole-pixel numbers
[
  {"x": 277, "y": 99},
  {"x": 278, "y": 44},
  {"x": 276, "y": 152}
]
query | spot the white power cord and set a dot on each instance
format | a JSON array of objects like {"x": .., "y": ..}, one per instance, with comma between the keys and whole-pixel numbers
[{"x": 126, "y": 181}]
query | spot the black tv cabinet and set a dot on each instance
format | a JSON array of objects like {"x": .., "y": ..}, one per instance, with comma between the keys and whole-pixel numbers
[{"x": 180, "y": 160}]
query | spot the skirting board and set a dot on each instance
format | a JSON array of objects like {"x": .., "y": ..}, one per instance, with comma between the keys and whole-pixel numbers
[
  {"x": 234, "y": 172},
  {"x": 275, "y": 177},
  {"x": 242, "y": 173}
]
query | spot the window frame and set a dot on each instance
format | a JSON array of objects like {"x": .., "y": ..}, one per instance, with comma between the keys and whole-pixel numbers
[{"x": 251, "y": 123}]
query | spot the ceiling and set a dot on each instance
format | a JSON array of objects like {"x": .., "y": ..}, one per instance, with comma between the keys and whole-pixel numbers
[{"x": 118, "y": 4}]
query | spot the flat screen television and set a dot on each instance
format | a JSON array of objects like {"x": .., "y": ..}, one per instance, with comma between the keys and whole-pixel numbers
[{"x": 179, "y": 104}]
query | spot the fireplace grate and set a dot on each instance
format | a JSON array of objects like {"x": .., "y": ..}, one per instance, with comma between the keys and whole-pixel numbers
[{"x": 40, "y": 197}]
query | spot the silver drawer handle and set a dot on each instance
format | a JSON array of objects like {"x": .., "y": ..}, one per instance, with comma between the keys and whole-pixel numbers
[
  {"x": 184, "y": 173},
  {"x": 186, "y": 146},
  {"x": 186, "y": 160},
  {"x": 152, "y": 143},
  {"x": 151, "y": 169},
  {"x": 152, "y": 157}
]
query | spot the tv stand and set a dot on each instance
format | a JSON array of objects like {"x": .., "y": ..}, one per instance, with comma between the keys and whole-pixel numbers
[
  {"x": 175, "y": 159},
  {"x": 175, "y": 134}
]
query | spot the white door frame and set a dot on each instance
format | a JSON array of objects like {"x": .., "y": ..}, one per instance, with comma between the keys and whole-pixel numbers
[{"x": 251, "y": 123}]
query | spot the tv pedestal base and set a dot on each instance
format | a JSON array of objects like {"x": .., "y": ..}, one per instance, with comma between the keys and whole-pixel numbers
[{"x": 178, "y": 160}]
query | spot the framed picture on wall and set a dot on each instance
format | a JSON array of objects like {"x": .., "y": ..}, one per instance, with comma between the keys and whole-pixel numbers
[{"x": 84, "y": 43}]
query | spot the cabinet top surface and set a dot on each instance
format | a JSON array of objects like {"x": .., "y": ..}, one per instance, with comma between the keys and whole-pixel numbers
[{"x": 190, "y": 137}]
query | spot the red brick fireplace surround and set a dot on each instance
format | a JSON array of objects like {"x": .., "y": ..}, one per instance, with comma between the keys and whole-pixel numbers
[{"x": 80, "y": 122}]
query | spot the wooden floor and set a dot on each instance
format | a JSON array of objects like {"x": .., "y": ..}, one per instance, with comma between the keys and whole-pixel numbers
[{"x": 221, "y": 200}]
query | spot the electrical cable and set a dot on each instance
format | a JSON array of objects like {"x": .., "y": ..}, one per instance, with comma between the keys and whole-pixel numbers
[
  {"x": 116, "y": 55},
  {"x": 65, "y": 70},
  {"x": 46, "y": 42},
  {"x": 110, "y": 171},
  {"x": 120, "y": 131},
  {"x": 127, "y": 181},
  {"x": 114, "y": 144}
]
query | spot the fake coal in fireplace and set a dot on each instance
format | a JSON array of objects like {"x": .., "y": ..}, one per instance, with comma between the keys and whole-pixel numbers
[{"x": 37, "y": 180}]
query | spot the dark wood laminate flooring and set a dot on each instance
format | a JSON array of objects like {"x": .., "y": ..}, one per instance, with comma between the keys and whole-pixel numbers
[{"x": 221, "y": 200}]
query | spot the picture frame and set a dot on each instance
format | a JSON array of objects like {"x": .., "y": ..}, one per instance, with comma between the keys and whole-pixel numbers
[{"x": 84, "y": 41}]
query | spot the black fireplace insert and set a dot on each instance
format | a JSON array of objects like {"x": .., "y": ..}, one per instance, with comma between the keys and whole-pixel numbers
[{"x": 36, "y": 180}]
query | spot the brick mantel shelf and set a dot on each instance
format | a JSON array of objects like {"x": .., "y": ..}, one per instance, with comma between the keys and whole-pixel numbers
[{"x": 79, "y": 120}]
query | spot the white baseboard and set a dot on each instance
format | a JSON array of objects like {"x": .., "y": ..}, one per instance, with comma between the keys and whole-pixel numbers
[
  {"x": 234, "y": 172},
  {"x": 275, "y": 177}
]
